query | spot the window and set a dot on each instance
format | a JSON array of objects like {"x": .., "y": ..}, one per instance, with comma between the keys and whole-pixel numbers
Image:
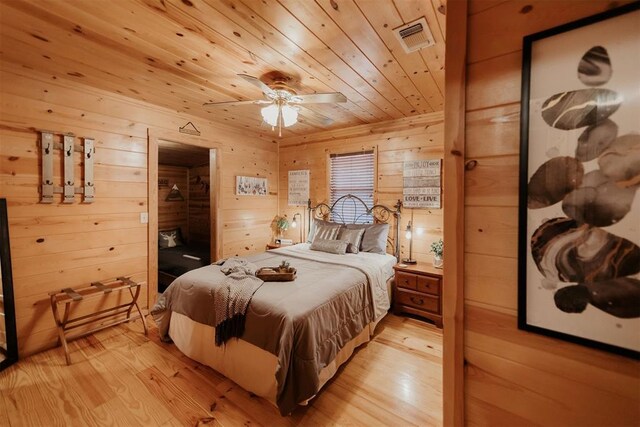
[{"x": 352, "y": 173}]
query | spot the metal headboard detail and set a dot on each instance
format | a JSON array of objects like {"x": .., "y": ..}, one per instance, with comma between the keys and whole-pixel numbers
[{"x": 380, "y": 214}]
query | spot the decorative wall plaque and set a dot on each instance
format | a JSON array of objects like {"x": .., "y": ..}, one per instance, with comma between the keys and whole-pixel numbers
[{"x": 422, "y": 184}]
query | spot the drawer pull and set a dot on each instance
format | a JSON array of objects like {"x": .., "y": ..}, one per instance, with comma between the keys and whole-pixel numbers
[{"x": 418, "y": 301}]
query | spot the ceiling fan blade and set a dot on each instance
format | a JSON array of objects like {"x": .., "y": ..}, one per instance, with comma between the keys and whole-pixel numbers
[
  {"x": 257, "y": 82},
  {"x": 319, "y": 98},
  {"x": 314, "y": 118},
  {"x": 235, "y": 103}
]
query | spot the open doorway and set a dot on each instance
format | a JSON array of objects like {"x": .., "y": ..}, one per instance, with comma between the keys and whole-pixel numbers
[
  {"x": 184, "y": 210},
  {"x": 183, "y": 206}
]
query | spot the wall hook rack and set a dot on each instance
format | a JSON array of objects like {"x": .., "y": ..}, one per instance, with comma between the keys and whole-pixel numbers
[{"x": 68, "y": 147}]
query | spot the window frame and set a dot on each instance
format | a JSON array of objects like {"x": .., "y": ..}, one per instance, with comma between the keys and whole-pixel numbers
[{"x": 346, "y": 151}]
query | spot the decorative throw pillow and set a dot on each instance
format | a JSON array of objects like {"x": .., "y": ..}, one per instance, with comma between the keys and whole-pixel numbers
[
  {"x": 331, "y": 246},
  {"x": 353, "y": 237},
  {"x": 375, "y": 237},
  {"x": 169, "y": 238},
  {"x": 328, "y": 232},
  {"x": 315, "y": 223}
]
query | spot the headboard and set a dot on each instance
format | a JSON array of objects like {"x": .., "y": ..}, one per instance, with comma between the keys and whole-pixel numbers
[{"x": 380, "y": 214}]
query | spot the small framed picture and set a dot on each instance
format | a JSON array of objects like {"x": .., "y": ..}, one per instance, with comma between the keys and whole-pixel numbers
[
  {"x": 251, "y": 186},
  {"x": 579, "y": 253}
]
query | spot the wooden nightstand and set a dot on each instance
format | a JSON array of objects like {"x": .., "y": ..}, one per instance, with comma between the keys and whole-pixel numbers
[{"x": 418, "y": 291}]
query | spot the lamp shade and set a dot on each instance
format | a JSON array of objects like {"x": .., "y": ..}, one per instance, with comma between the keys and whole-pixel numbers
[
  {"x": 289, "y": 115},
  {"x": 270, "y": 114},
  {"x": 408, "y": 233}
]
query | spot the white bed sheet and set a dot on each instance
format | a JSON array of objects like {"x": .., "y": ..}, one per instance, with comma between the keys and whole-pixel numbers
[{"x": 377, "y": 267}]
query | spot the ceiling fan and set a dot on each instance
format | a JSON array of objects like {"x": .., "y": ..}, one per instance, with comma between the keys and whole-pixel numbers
[{"x": 283, "y": 104}]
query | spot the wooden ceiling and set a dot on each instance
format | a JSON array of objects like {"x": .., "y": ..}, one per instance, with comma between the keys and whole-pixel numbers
[{"x": 182, "y": 53}]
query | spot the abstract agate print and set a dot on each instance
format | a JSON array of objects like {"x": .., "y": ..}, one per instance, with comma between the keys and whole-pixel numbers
[{"x": 583, "y": 265}]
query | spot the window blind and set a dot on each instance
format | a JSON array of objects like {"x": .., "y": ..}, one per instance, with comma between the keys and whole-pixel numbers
[{"x": 352, "y": 173}]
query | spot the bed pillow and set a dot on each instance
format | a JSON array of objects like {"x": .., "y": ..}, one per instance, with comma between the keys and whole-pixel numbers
[
  {"x": 353, "y": 238},
  {"x": 331, "y": 246},
  {"x": 315, "y": 223},
  {"x": 375, "y": 237},
  {"x": 169, "y": 238},
  {"x": 328, "y": 231}
]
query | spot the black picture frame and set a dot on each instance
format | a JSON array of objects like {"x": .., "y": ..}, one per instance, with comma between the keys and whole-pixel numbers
[
  {"x": 11, "y": 355},
  {"x": 523, "y": 211}
]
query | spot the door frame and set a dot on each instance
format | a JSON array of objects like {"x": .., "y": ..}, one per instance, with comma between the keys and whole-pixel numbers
[
  {"x": 454, "y": 225},
  {"x": 215, "y": 154}
]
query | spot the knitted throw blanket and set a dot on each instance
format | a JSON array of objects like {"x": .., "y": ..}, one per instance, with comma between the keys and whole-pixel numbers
[{"x": 231, "y": 299}]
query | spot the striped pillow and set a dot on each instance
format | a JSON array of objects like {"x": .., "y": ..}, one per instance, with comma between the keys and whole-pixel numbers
[{"x": 327, "y": 232}]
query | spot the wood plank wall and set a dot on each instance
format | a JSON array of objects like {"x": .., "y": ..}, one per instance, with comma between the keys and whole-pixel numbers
[
  {"x": 174, "y": 213},
  {"x": 55, "y": 246},
  {"x": 515, "y": 377},
  {"x": 419, "y": 137},
  {"x": 199, "y": 217}
]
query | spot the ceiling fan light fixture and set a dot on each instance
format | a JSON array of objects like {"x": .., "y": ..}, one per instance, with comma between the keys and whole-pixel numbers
[
  {"x": 282, "y": 104},
  {"x": 289, "y": 115},
  {"x": 270, "y": 114}
]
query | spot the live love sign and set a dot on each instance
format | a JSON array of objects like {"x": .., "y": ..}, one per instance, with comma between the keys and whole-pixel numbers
[{"x": 422, "y": 183}]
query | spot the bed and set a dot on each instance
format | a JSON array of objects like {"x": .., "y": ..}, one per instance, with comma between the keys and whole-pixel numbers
[
  {"x": 176, "y": 257},
  {"x": 296, "y": 333}
]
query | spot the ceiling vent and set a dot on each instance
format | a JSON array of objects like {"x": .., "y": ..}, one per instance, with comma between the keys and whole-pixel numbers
[{"x": 414, "y": 35}]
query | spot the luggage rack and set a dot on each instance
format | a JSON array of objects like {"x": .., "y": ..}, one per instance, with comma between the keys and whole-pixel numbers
[{"x": 67, "y": 296}]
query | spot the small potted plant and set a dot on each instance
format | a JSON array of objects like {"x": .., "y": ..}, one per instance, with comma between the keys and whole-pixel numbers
[
  {"x": 437, "y": 249},
  {"x": 282, "y": 224},
  {"x": 284, "y": 266}
]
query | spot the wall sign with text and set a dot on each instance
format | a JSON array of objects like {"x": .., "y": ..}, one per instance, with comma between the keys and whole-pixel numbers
[
  {"x": 298, "y": 188},
  {"x": 422, "y": 184}
]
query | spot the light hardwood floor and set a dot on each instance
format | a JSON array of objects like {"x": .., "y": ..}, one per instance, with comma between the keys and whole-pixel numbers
[{"x": 120, "y": 377}]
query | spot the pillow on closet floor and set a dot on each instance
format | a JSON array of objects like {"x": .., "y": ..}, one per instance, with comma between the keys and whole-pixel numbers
[{"x": 169, "y": 238}]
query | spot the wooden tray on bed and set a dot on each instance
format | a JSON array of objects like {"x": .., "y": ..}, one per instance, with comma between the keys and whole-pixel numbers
[{"x": 274, "y": 274}]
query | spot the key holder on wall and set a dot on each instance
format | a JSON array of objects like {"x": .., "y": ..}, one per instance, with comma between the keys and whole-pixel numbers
[{"x": 68, "y": 147}]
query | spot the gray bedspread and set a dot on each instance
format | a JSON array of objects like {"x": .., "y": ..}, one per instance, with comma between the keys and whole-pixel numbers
[{"x": 304, "y": 323}]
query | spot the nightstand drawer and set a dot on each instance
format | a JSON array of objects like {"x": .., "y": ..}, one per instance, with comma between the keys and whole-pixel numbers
[
  {"x": 406, "y": 280},
  {"x": 430, "y": 285},
  {"x": 417, "y": 300}
]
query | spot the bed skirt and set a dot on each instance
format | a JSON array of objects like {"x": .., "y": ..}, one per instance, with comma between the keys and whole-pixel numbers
[{"x": 251, "y": 367}]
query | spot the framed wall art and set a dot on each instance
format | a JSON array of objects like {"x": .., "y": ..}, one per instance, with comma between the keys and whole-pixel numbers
[
  {"x": 298, "y": 188},
  {"x": 422, "y": 183},
  {"x": 251, "y": 186},
  {"x": 579, "y": 215}
]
